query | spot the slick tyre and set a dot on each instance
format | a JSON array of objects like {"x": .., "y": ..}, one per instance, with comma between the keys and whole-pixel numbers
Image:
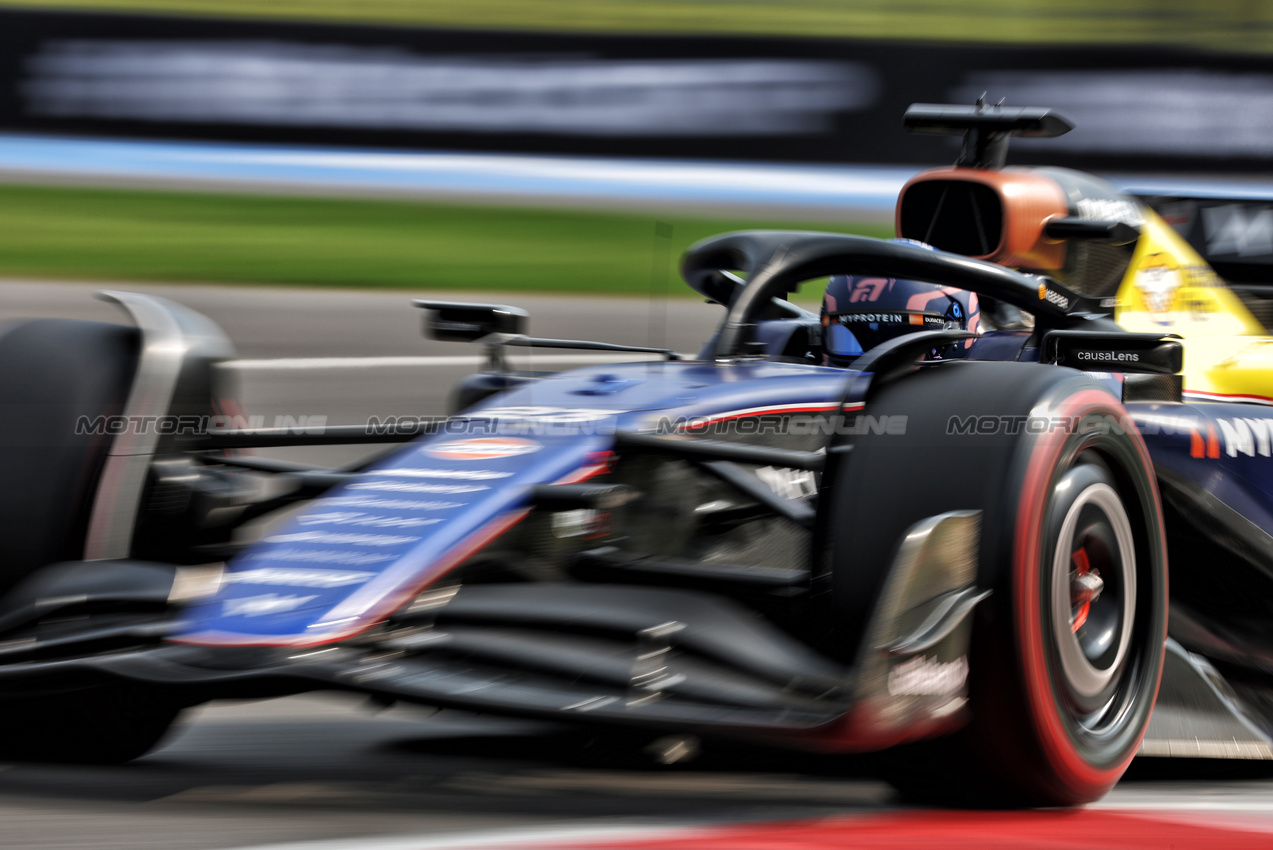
[
  {"x": 1067, "y": 653},
  {"x": 55, "y": 375}
]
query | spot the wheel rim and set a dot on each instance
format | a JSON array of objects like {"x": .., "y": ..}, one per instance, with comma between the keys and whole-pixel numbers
[{"x": 1093, "y": 595}]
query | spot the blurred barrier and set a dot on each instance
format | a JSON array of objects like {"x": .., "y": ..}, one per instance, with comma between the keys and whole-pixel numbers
[
  {"x": 787, "y": 99},
  {"x": 390, "y": 89}
]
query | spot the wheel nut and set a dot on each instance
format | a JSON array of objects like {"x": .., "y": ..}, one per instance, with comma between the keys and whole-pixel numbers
[{"x": 1086, "y": 588}]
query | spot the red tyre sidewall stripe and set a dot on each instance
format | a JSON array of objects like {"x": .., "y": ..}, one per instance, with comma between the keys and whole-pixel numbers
[{"x": 1029, "y": 619}]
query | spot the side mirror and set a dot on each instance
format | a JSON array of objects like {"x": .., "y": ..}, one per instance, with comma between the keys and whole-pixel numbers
[
  {"x": 451, "y": 321},
  {"x": 1089, "y": 230}
]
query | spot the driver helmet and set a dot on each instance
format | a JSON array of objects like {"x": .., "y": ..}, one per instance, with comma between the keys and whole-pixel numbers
[{"x": 859, "y": 312}]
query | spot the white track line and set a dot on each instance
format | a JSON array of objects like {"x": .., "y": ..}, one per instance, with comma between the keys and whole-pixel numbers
[
  {"x": 469, "y": 360},
  {"x": 1203, "y": 806},
  {"x": 497, "y": 839}
]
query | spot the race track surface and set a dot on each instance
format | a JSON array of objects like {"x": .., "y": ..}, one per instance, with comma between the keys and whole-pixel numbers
[{"x": 327, "y": 772}]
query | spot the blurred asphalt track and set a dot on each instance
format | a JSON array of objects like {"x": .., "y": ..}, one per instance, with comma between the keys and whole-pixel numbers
[
  {"x": 327, "y": 771},
  {"x": 842, "y": 191},
  {"x": 348, "y": 355}
]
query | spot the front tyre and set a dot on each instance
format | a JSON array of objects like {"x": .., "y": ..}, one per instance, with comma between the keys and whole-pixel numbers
[
  {"x": 56, "y": 375},
  {"x": 1082, "y": 607},
  {"x": 1066, "y": 653},
  {"x": 105, "y": 724}
]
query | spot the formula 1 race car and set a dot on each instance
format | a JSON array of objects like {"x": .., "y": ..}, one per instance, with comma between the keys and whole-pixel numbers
[{"x": 934, "y": 518}]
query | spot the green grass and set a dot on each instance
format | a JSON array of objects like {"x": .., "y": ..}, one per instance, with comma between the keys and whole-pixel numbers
[
  {"x": 1234, "y": 25},
  {"x": 107, "y": 234}
]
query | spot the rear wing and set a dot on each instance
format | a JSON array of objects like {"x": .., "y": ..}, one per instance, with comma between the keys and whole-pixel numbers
[{"x": 986, "y": 130}]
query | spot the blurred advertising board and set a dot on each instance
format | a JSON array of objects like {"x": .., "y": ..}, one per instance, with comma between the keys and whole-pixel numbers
[{"x": 743, "y": 98}]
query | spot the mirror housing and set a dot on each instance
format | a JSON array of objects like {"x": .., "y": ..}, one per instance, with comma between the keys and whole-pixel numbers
[{"x": 453, "y": 321}]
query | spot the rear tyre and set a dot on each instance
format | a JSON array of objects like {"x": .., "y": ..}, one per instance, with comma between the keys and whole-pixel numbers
[
  {"x": 1067, "y": 653},
  {"x": 1087, "y": 578}
]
